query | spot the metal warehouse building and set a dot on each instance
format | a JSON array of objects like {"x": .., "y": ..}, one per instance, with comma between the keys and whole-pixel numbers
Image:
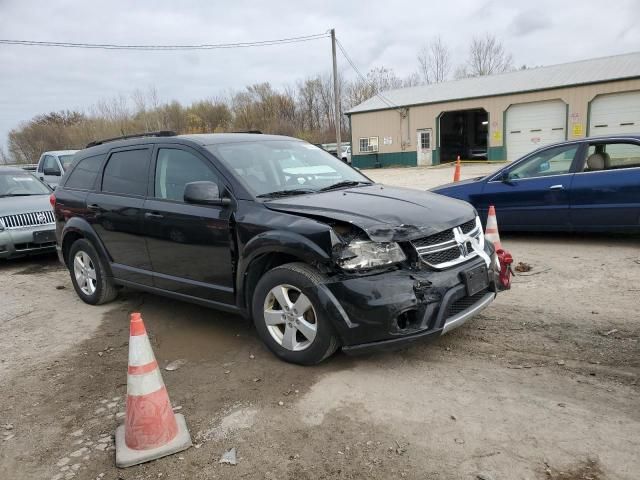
[{"x": 498, "y": 117}]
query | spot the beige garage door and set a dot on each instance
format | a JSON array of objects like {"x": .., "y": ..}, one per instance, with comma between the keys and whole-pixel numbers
[
  {"x": 615, "y": 113},
  {"x": 532, "y": 125}
]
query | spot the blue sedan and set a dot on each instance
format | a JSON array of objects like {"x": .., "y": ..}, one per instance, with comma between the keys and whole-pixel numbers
[{"x": 592, "y": 184}]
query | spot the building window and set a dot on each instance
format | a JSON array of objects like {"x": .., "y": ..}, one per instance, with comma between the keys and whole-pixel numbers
[
  {"x": 425, "y": 140},
  {"x": 368, "y": 144}
]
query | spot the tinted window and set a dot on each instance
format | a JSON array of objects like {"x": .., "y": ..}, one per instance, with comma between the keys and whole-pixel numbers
[
  {"x": 174, "y": 169},
  {"x": 127, "y": 173},
  {"x": 555, "y": 161},
  {"x": 83, "y": 177},
  {"x": 615, "y": 156}
]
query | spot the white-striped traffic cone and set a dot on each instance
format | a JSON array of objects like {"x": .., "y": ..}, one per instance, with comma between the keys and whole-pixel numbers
[
  {"x": 491, "y": 232},
  {"x": 151, "y": 430}
]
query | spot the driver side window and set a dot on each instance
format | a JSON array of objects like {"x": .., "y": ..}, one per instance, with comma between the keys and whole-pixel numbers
[
  {"x": 174, "y": 169},
  {"x": 555, "y": 161}
]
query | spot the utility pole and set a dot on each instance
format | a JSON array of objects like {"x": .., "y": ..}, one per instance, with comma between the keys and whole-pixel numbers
[{"x": 336, "y": 94}]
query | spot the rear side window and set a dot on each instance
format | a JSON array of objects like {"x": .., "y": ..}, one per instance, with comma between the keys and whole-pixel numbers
[
  {"x": 66, "y": 161},
  {"x": 50, "y": 164},
  {"x": 83, "y": 177},
  {"x": 127, "y": 172},
  {"x": 615, "y": 156}
]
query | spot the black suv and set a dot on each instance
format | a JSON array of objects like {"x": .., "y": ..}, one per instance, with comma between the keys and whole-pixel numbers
[{"x": 276, "y": 230}]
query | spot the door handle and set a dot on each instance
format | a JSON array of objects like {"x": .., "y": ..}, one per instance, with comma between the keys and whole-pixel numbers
[
  {"x": 153, "y": 215},
  {"x": 94, "y": 207},
  {"x": 556, "y": 187}
]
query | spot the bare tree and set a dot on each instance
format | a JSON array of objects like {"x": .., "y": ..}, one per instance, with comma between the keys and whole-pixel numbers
[
  {"x": 413, "y": 80},
  {"x": 4, "y": 158},
  {"x": 434, "y": 60},
  {"x": 487, "y": 56}
]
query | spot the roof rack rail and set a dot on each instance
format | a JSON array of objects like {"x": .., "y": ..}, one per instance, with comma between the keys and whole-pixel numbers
[
  {"x": 160, "y": 133},
  {"x": 257, "y": 132}
]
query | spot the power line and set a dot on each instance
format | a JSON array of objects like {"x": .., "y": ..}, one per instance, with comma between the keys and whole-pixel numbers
[
  {"x": 384, "y": 99},
  {"x": 109, "y": 46}
]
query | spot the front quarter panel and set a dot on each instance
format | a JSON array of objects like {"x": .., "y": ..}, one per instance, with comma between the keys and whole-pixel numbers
[{"x": 261, "y": 231}]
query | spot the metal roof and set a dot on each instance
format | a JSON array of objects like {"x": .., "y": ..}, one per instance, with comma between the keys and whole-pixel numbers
[{"x": 595, "y": 70}]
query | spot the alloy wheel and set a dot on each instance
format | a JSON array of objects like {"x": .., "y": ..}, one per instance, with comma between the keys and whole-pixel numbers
[
  {"x": 85, "y": 273},
  {"x": 290, "y": 318}
]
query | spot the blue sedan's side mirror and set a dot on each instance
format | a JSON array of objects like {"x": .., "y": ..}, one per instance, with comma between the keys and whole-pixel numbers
[
  {"x": 505, "y": 178},
  {"x": 544, "y": 166}
]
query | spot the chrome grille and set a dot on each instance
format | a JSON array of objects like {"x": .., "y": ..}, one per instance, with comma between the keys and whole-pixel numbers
[
  {"x": 23, "y": 220},
  {"x": 468, "y": 226},
  {"x": 435, "y": 239},
  {"x": 450, "y": 247}
]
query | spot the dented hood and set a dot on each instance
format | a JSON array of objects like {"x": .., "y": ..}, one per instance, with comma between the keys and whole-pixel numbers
[{"x": 384, "y": 213}]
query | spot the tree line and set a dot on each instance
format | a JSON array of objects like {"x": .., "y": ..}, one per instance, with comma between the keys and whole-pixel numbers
[{"x": 304, "y": 110}]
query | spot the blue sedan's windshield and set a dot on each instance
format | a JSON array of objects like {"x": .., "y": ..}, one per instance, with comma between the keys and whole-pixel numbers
[{"x": 277, "y": 166}]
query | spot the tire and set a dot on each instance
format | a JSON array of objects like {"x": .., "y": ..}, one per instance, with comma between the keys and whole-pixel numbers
[
  {"x": 274, "y": 324},
  {"x": 94, "y": 291}
]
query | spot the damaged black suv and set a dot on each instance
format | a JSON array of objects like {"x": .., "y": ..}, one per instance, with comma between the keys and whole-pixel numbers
[{"x": 276, "y": 230}]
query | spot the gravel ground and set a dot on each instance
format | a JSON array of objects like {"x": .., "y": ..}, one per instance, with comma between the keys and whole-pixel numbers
[{"x": 542, "y": 385}]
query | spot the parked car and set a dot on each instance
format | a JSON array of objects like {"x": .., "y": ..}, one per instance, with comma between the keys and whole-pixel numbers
[
  {"x": 592, "y": 184},
  {"x": 277, "y": 230},
  {"x": 52, "y": 166},
  {"x": 26, "y": 217},
  {"x": 346, "y": 154}
]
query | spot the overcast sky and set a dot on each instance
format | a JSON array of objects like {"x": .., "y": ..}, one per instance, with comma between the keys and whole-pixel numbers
[{"x": 36, "y": 80}]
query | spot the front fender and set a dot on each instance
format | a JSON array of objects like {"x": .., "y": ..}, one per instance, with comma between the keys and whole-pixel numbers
[
  {"x": 278, "y": 241},
  {"x": 79, "y": 226}
]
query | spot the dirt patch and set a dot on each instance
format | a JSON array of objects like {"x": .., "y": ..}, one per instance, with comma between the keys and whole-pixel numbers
[
  {"x": 38, "y": 265},
  {"x": 587, "y": 470}
]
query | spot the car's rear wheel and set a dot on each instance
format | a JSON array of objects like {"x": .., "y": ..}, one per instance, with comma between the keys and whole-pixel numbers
[
  {"x": 88, "y": 274},
  {"x": 289, "y": 316}
]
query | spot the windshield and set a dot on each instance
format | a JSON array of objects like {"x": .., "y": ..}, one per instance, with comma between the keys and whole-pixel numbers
[
  {"x": 66, "y": 160},
  {"x": 285, "y": 166},
  {"x": 19, "y": 184}
]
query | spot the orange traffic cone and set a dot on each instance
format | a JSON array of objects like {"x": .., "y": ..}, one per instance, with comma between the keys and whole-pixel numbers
[
  {"x": 456, "y": 173},
  {"x": 491, "y": 232},
  {"x": 151, "y": 430}
]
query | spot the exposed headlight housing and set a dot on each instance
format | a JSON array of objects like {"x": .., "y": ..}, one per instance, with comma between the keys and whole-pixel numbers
[{"x": 365, "y": 254}]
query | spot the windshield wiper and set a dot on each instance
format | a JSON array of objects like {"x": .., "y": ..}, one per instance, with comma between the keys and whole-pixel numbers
[
  {"x": 18, "y": 194},
  {"x": 344, "y": 183},
  {"x": 286, "y": 193}
]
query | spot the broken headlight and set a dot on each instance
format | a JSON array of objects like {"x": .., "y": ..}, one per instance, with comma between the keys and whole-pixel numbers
[{"x": 364, "y": 254}]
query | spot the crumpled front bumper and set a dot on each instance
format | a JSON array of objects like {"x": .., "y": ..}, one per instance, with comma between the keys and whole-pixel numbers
[
  {"x": 19, "y": 242},
  {"x": 393, "y": 308}
]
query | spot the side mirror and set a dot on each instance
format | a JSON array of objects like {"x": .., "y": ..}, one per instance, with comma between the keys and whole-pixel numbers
[
  {"x": 52, "y": 171},
  {"x": 544, "y": 166},
  {"x": 506, "y": 178},
  {"x": 204, "y": 193}
]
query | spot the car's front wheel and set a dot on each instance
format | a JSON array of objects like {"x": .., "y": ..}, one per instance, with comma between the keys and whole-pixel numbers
[
  {"x": 88, "y": 274},
  {"x": 289, "y": 316}
]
